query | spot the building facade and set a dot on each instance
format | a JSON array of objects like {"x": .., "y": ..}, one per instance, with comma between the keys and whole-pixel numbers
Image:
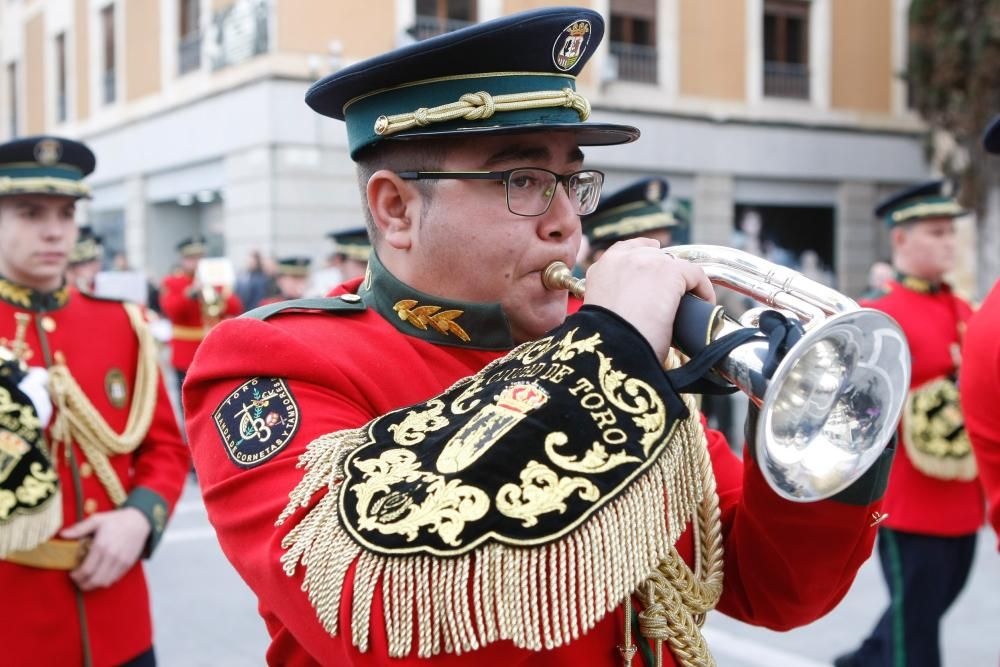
[{"x": 783, "y": 115}]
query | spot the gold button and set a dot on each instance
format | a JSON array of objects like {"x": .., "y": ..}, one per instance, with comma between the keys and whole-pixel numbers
[
  {"x": 350, "y": 298},
  {"x": 48, "y": 324},
  {"x": 86, "y": 470},
  {"x": 89, "y": 506}
]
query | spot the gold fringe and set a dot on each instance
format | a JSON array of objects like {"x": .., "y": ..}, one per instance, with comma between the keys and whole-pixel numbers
[
  {"x": 26, "y": 531},
  {"x": 597, "y": 566}
]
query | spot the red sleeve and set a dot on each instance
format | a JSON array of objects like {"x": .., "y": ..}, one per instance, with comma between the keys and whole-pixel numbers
[
  {"x": 161, "y": 464},
  {"x": 979, "y": 384},
  {"x": 175, "y": 302},
  {"x": 244, "y": 503},
  {"x": 162, "y": 461},
  {"x": 786, "y": 563}
]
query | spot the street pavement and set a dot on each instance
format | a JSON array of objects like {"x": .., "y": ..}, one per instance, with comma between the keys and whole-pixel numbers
[{"x": 205, "y": 616}]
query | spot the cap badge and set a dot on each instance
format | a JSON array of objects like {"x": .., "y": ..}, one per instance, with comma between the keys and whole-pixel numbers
[
  {"x": 654, "y": 191},
  {"x": 571, "y": 45},
  {"x": 48, "y": 151}
]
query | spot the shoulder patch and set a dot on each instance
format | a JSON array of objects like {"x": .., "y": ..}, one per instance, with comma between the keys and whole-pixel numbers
[
  {"x": 257, "y": 420},
  {"x": 344, "y": 302}
]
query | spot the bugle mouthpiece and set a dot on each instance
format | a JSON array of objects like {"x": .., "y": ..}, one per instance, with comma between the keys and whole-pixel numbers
[{"x": 558, "y": 276}]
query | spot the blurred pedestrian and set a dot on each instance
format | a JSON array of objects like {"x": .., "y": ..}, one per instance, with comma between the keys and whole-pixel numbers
[
  {"x": 351, "y": 250},
  {"x": 85, "y": 260},
  {"x": 292, "y": 280},
  {"x": 255, "y": 283},
  {"x": 634, "y": 211},
  {"x": 91, "y": 459},
  {"x": 934, "y": 504},
  {"x": 811, "y": 266},
  {"x": 880, "y": 274},
  {"x": 192, "y": 306}
]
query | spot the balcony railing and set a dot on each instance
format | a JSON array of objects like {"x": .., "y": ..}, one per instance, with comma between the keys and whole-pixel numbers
[
  {"x": 239, "y": 32},
  {"x": 635, "y": 62},
  {"x": 189, "y": 53},
  {"x": 429, "y": 26},
  {"x": 786, "y": 80}
]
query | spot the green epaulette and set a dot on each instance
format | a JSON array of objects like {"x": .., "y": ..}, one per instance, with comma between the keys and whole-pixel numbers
[
  {"x": 344, "y": 302},
  {"x": 99, "y": 297}
]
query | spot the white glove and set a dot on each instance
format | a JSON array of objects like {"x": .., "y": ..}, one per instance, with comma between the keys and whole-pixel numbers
[{"x": 34, "y": 386}]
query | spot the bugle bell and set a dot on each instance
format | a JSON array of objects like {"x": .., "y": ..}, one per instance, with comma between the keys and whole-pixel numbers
[
  {"x": 217, "y": 277},
  {"x": 832, "y": 405}
]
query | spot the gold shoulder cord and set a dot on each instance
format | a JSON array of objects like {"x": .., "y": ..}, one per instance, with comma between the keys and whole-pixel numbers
[
  {"x": 480, "y": 106},
  {"x": 78, "y": 420},
  {"x": 676, "y": 600}
]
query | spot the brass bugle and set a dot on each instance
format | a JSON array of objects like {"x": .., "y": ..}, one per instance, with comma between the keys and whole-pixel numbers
[{"x": 832, "y": 405}]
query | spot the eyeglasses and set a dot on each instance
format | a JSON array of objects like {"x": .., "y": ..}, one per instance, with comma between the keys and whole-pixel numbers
[{"x": 530, "y": 190}]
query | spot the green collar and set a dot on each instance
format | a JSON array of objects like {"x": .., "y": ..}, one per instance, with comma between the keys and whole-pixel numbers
[
  {"x": 477, "y": 326},
  {"x": 20, "y": 296},
  {"x": 918, "y": 284}
]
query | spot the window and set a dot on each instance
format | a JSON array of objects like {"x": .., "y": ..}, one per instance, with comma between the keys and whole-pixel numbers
[
  {"x": 436, "y": 17},
  {"x": 189, "y": 32},
  {"x": 12, "y": 97},
  {"x": 633, "y": 39},
  {"x": 786, "y": 49},
  {"x": 108, "y": 53},
  {"x": 60, "y": 64}
]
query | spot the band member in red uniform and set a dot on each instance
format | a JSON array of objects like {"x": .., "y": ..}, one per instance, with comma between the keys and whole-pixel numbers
[
  {"x": 351, "y": 251},
  {"x": 981, "y": 377},
  {"x": 636, "y": 210},
  {"x": 192, "y": 308},
  {"x": 292, "y": 279},
  {"x": 82, "y": 499},
  {"x": 934, "y": 504},
  {"x": 439, "y": 462},
  {"x": 85, "y": 260}
]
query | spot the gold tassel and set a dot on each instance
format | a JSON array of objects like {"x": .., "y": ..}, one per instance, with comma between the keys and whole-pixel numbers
[{"x": 26, "y": 531}]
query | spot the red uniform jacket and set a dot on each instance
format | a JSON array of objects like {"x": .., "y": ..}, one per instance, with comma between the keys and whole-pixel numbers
[
  {"x": 786, "y": 563},
  {"x": 46, "y": 614},
  {"x": 979, "y": 388},
  {"x": 915, "y": 502},
  {"x": 184, "y": 312}
]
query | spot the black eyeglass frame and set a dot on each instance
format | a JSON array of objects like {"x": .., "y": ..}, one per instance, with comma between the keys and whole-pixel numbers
[{"x": 504, "y": 176}]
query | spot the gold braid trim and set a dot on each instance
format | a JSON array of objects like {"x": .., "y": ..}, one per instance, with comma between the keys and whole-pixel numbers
[
  {"x": 482, "y": 105},
  {"x": 677, "y": 599},
  {"x": 538, "y": 598},
  {"x": 77, "y": 420}
]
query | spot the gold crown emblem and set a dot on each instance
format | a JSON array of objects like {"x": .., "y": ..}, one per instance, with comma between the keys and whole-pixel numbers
[
  {"x": 654, "y": 191},
  {"x": 522, "y": 398},
  {"x": 48, "y": 151},
  {"x": 579, "y": 29}
]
